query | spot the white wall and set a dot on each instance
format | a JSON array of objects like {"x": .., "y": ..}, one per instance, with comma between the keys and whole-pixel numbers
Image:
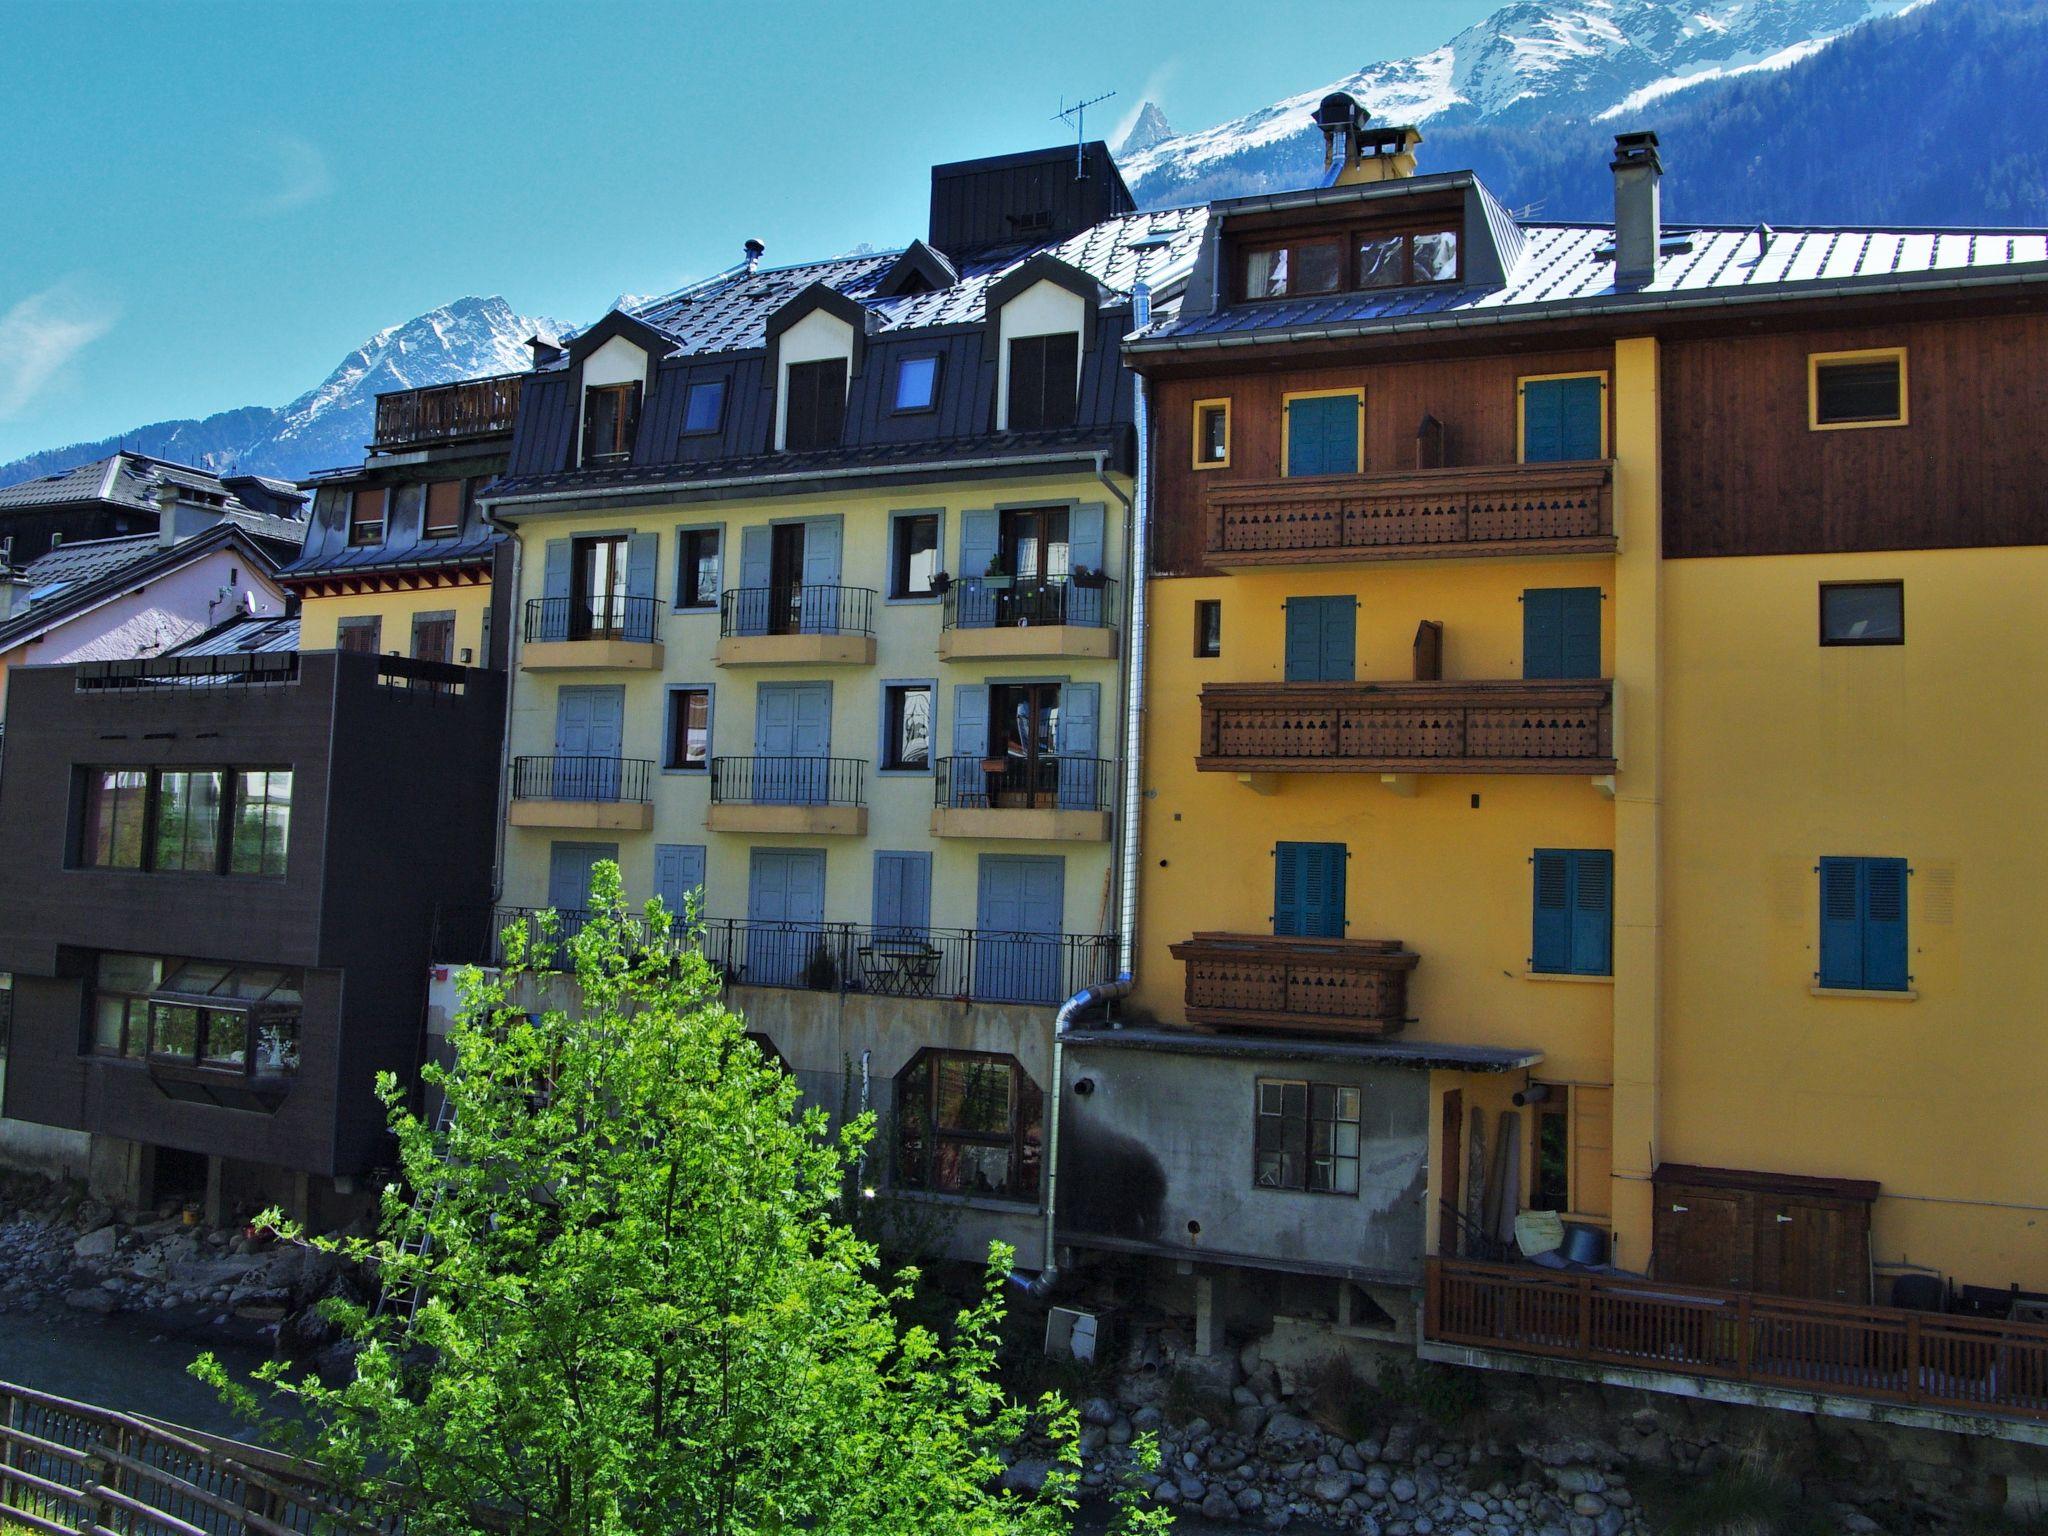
[
  {"x": 618, "y": 361},
  {"x": 815, "y": 338},
  {"x": 1040, "y": 310}
]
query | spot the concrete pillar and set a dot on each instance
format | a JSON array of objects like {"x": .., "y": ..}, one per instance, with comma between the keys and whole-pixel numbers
[
  {"x": 1208, "y": 1338},
  {"x": 215, "y": 1205},
  {"x": 1638, "y": 792},
  {"x": 120, "y": 1172}
]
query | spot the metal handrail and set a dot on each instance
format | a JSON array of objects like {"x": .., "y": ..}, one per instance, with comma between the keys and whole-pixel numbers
[
  {"x": 788, "y": 781},
  {"x": 972, "y": 603},
  {"x": 998, "y": 782},
  {"x": 796, "y": 609},
  {"x": 635, "y": 619},
  {"x": 583, "y": 778}
]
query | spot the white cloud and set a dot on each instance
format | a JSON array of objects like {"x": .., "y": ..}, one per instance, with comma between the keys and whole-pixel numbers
[
  {"x": 300, "y": 170},
  {"x": 1154, "y": 90},
  {"x": 42, "y": 333}
]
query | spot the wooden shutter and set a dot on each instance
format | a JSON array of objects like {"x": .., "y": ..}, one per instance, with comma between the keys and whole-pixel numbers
[
  {"x": 1550, "y": 944},
  {"x": 629, "y": 425},
  {"x": 903, "y": 892},
  {"x": 592, "y": 399},
  {"x": 1289, "y": 898},
  {"x": 1304, "y": 640},
  {"x": 1060, "y": 379},
  {"x": 1027, "y": 383},
  {"x": 1322, "y": 435},
  {"x": 1884, "y": 924},
  {"x": 1562, "y": 419},
  {"x": 1592, "y": 912},
  {"x": 642, "y": 559},
  {"x": 1561, "y": 632},
  {"x": 970, "y": 724},
  {"x": 815, "y": 412},
  {"x": 678, "y": 870},
  {"x": 444, "y": 506},
  {"x": 1308, "y": 890},
  {"x": 1841, "y": 922},
  {"x": 1084, "y": 536},
  {"x": 1337, "y": 650}
]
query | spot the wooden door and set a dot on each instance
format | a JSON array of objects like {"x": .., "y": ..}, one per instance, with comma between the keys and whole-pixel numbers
[
  {"x": 1817, "y": 1249},
  {"x": 1704, "y": 1237}
]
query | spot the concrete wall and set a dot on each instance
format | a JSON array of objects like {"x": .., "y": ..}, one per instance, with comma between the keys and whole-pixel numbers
[{"x": 320, "y": 618}]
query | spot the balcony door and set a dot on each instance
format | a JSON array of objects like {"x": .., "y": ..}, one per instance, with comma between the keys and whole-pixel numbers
[
  {"x": 792, "y": 743},
  {"x": 1020, "y": 912},
  {"x": 569, "y": 866},
  {"x": 785, "y": 914},
  {"x": 598, "y": 581},
  {"x": 590, "y": 731},
  {"x": 1026, "y": 719}
]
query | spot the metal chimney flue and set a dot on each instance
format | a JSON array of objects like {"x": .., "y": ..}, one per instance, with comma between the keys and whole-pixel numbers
[
  {"x": 755, "y": 251},
  {"x": 1638, "y": 209}
]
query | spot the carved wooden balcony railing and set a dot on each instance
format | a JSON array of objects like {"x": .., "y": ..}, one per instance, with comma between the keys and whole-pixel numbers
[
  {"x": 1408, "y": 727},
  {"x": 443, "y": 413},
  {"x": 1492, "y": 509},
  {"x": 1302, "y": 986}
]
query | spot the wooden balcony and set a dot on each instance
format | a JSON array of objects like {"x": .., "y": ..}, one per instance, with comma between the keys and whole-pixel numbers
[
  {"x": 1924, "y": 1360},
  {"x": 1492, "y": 509},
  {"x": 447, "y": 413},
  {"x": 1507, "y": 726},
  {"x": 1298, "y": 986}
]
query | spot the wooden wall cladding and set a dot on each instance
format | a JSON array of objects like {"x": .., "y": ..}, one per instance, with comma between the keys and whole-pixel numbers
[
  {"x": 1743, "y": 475},
  {"x": 1473, "y": 397}
]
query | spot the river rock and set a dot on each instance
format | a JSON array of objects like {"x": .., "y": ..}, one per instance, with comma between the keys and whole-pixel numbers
[
  {"x": 1218, "y": 1506},
  {"x": 98, "y": 1244},
  {"x": 1098, "y": 1410},
  {"x": 1026, "y": 1475},
  {"x": 92, "y": 1299},
  {"x": 1285, "y": 1427},
  {"x": 1332, "y": 1487}
]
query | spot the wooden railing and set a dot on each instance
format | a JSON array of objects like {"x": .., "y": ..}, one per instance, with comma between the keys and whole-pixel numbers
[
  {"x": 1488, "y": 509},
  {"x": 1301, "y": 986},
  {"x": 1921, "y": 1359},
  {"x": 442, "y": 412},
  {"x": 70, "y": 1467},
  {"x": 1404, "y": 727}
]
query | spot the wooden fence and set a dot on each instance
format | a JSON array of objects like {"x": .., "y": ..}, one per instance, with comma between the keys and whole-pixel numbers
[
  {"x": 1929, "y": 1360},
  {"x": 71, "y": 1469}
]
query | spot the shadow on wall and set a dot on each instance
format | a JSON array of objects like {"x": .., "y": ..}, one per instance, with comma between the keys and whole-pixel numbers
[{"x": 1124, "y": 1188}]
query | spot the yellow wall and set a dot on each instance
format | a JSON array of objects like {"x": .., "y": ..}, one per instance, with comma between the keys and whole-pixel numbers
[
  {"x": 899, "y": 806},
  {"x": 1782, "y": 751},
  {"x": 319, "y": 617}
]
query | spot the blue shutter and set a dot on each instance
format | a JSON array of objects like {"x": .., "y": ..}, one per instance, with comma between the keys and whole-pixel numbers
[
  {"x": 1308, "y": 890},
  {"x": 1288, "y": 895},
  {"x": 820, "y": 613},
  {"x": 965, "y": 784},
  {"x": 1340, "y": 435},
  {"x": 903, "y": 893},
  {"x": 978, "y": 535},
  {"x": 1543, "y": 632},
  {"x": 1592, "y": 912},
  {"x": 1304, "y": 640},
  {"x": 1322, "y": 435},
  {"x": 554, "y": 624},
  {"x": 640, "y": 576},
  {"x": 678, "y": 871},
  {"x": 1562, "y": 419},
  {"x": 1085, "y": 548},
  {"x": 1550, "y": 944},
  {"x": 1579, "y": 631},
  {"x": 1077, "y": 746},
  {"x": 751, "y": 615},
  {"x": 1884, "y": 924},
  {"x": 1338, "y": 644},
  {"x": 1841, "y": 922}
]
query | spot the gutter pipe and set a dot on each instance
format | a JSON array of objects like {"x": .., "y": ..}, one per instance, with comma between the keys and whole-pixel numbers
[{"x": 1138, "y": 515}]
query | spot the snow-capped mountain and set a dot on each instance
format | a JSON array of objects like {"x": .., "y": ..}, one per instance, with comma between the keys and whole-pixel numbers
[
  {"x": 1150, "y": 127},
  {"x": 1584, "y": 59},
  {"x": 328, "y": 425}
]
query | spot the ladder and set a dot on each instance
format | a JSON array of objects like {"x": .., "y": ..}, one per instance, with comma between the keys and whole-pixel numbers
[{"x": 419, "y": 1238}]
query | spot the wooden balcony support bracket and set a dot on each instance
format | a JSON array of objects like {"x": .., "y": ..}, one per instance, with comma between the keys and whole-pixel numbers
[
  {"x": 1475, "y": 510},
  {"x": 1242, "y": 981},
  {"x": 1404, "y": 728}
]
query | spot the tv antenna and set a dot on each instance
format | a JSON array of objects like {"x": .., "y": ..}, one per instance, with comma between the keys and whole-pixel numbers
[{"x": 1077, "y": 114}]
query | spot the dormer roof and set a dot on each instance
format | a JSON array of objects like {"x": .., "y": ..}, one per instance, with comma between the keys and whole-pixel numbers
[{"x": 920, "y": 269}]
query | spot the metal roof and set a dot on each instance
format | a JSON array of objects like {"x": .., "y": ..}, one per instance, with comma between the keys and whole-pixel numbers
[
  {"x": 242, "y": 634},
  {"x": 88, "y": 559},
  {"x": 1396, "y": 1052},
  {"x": 104, "y": 568},
  {"x": 131, "y": 479}
]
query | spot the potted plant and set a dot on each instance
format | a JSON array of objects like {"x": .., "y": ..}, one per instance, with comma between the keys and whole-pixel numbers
[
  {"x": 1087, "y": 577},
  {"x": 941, "y": 583},
  {"x": 995, "y": 578},
  {"x": 822, "y": 972}
]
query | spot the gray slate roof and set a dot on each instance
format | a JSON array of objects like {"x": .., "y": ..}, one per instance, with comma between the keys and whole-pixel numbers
[
  {"x": 130, "y": 481},
  {"x": 94, "y": 569},
  {"x": 240, "y": 635},
  {"x": 87, "y": 559}
]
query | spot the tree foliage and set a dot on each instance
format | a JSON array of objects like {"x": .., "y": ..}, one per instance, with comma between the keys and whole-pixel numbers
[{"x": 637, "y": 1309}]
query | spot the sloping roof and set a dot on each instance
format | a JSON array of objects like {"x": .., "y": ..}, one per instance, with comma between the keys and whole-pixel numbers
[
  {"x": 241, "y": 634},
  {"x": 131, "y": 480},
  {"x": 476, "y": 543},
  {"x": 87, "y": 559},
  {"x": 103, "y": 571}
]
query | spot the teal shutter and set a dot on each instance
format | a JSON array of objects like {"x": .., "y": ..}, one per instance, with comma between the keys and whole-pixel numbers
[
  {"x": 1338, "y": 645},
  {"x": 1841, "y": 922},
  {"x": 1561, "y": 419},
  {"x": 1550, "y": 944},
  {"x": 1322, "y": 435},
  {"x": 554, "y": 616},
  {"x": 678, "y": 872},
  {"x": 1308, "y": 890},
  {"x": 1304, "y": 640},
  {"x": 903, "y": 893},
  {"x": 1592, "y": 912},
  {"x": 641, "y": 552},
  {"x": 1884, "y": 924},
  {"x": 1579, "y": 638}
]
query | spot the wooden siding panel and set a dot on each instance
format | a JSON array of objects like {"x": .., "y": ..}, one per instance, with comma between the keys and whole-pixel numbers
[
  {"x": 1743, "y": 474},
  {"x": 1473, "y": 397}
]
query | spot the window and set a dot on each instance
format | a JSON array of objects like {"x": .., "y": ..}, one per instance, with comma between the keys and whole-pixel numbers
[
  {"x": 1044, "y": 374},
  {"x": 1212, "y": 434},
  {"x": 1856, "y": 389},
  {"x": 600, "y": 574},
  {"x": 611, "y": 415},
  {"x": 1307, "y": 1137},
  {"x": 913, "y": 553},
  {"x": 1862, "y": 613},
  {"x": 444, "y": 509},
  {"x": 1550, "y": 1181},
  {"x": 917, "y": 384},
  {"x": 1308, "y": 890},
  {"x": 366, "y": 516},
  {"x": 120, "y": 1004},
  {"x": 1863, "y": 924},
  {"x": 1322, "y": 643},
  {"x": 1209, "y": 627},
  {"x": 1380, "y": 258},
  {"x": 697, "y": 567},
  {"x": 1573, "y": 928},
  {"x": 689, "y": 729},
  {"x": 433, "y": 636},
  {"x": 362, "y": 634},
  {"x": 242, "y": 1019},
  {"x": 1323, "y": 433},
  {"x": 907, "y": 727},
  {"x": 969, "y": 1124},
  {"x": 704, "y": 407},
  {"x": 1561, "y": 632},
  {"x": 1563, "y": 417},
  {"x": 1287, "y": 271},
  {"x": 814, "y": 413},
  {"x": 194, "y": 821},
  {"x": 116, "y": 804}
]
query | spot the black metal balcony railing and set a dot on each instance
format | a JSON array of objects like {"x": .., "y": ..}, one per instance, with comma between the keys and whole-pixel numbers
[
  {"x": 971, "y": 603},
  {"x": 422, "y": 679},
  {"x": 240, "y": 667},
  {"x": 954, "y": 964},
  {"x": 796, "y": 610},
  {"x": 788, "y": 781},
  {"x": 1025, "y": 784},
  {"x": 637, "y": 619},
  {"x": 582, "y": 778}
]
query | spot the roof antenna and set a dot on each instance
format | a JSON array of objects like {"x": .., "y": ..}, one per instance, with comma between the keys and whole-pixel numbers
[{"x": 1077, "y": 115}]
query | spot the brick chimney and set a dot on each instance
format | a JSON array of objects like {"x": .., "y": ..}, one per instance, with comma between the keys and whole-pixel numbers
[
  {"x": 1354, "y": 154},
  {"x": 1638, "y": 211}
]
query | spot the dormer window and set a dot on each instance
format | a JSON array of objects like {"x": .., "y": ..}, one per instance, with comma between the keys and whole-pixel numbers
[
  {"x": 917, "y": 384},
  {"x": 814, "y": 414},
  {"x": 1043, "y": 375},
  {"x": 1379, "y": 258},
  {"x": 611, "y": 414},
  {"x": 704, "y": 410},
  {"x": 1300, "y": 267},
  {"x": 366, "y": 516}
]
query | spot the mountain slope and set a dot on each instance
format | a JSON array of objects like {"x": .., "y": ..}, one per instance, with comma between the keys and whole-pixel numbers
[{"x": 329, "y": 424}]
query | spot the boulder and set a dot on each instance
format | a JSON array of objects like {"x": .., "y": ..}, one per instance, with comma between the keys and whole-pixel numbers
[
  {"x": 1098, "y": 1410},
  {"x": 97, "y": 1244},
  {"x": 1284, "y": 1427},
  {"x": 1218, "y": 1506},
  {"x": 1332, "y": 1487},
  {"x": 92, "y": 1299},
  {"x": 1026, "y": 1475}
]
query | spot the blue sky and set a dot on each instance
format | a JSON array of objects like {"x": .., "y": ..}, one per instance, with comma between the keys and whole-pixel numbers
[{"x": 207, "y": 203}]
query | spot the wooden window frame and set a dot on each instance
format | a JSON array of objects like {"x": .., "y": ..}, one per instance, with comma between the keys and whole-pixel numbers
[
  {"x": 919, "y": 1077},
  {"x": 1204, "y": 607},
  {"x": 672, "y": 702},
  {"x": 1043, "y": 340},
  {"x": 807, "y": 369},
  {"x": 1898, "y": 585},
  {"x": 1348, "y": 237},
  {"x": 685, "y": 568},
  {"x": 1522, "y": 407},
  {"x": 80, "y": 853},
  {"x": 623, "y": 426},
  {"x": 1288, "y": 398},
  {"x": 1308, "y": 1155},
  {"x": 1815, "y": 361},
  {"x": 1195, "y": 447},
  {"x": 429, "y": 529}
]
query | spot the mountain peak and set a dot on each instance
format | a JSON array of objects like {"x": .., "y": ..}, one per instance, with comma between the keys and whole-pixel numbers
[{"x": 1148, "y": 128}]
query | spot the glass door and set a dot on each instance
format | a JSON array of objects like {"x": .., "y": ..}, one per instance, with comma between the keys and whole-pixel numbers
[
  {"x": 600, "y": 582},
  {"x": 1038, "y": 556}
]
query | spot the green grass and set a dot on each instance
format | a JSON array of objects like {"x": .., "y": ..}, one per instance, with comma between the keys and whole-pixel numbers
[{"x": 1746, "y": 1499}]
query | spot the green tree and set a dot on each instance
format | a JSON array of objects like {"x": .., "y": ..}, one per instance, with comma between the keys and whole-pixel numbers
[{"x": 637, "y": 1309}]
